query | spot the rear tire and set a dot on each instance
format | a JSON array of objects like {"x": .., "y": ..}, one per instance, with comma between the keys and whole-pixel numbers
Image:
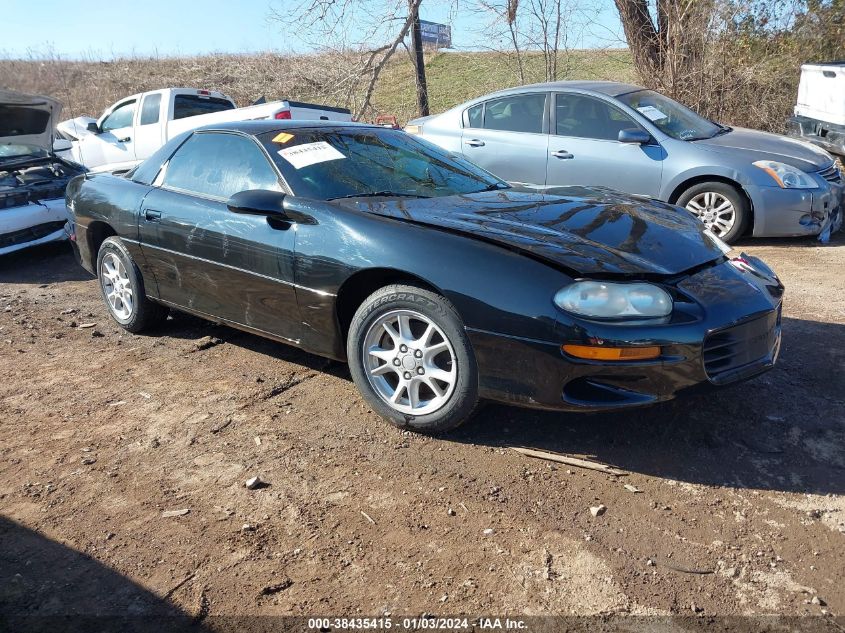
[
  {"x": 723, "y": 208},
  {"x": 122, "y": 287},
  {"x": 411, "y": 359}
]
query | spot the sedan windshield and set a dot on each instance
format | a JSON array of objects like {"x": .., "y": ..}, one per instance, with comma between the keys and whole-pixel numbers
[
  {"x": 345, "y": 162},
  {"x": 671, "y": 117}
]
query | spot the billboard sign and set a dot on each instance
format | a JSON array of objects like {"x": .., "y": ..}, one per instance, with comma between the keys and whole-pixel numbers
[{"x": 436, "y": 35}]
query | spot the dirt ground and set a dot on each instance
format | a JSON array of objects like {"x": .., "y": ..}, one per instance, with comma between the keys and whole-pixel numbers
[{"x": 740, "y": 509}]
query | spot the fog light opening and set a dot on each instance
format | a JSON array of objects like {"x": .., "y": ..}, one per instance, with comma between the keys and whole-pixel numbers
[{"x": 590, "y": 352}]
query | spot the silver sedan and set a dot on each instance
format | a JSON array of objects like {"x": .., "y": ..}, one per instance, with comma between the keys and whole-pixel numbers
[{"x": 595, "y": 133}]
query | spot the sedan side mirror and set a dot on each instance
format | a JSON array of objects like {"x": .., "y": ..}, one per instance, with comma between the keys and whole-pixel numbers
[
  {"x": 258, "y": 202},
  {"x": 634, "y": 136},
  {"x": 93, "y": 128}
]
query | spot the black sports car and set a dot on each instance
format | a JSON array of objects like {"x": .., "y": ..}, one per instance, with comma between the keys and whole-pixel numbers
[{"x": 437, "y": 282}]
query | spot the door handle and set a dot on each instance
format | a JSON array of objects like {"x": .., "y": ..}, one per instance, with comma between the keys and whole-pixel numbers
[
  {"x": 125, "y": 139},
  {"x": 562, "y": 153},
  {"x": 474, "y": 142},
  {"x": 151, "y": 215}
]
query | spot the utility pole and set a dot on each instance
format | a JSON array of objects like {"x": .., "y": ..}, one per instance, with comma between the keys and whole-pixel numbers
[{"x": 419, "y": 59}]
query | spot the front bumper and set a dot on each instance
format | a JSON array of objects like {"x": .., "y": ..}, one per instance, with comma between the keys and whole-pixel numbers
[
  {"x": 32, "y": 224},
  {"x": 796, "y": 212},
  {"x": 727, "y": 330}
]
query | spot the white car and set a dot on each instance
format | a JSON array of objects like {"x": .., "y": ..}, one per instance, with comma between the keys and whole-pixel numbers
[
  {"x": 132, "y": 129},
  {"x": 32, "y": 177}
]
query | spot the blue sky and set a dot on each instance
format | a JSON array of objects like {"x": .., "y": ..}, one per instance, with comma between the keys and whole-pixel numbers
[{"x": 102, "y": 29}]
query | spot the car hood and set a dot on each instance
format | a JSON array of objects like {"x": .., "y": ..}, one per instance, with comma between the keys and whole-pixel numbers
[
  {"x": 587, "y": 231},
  {"x": 765, "y": 146},
  {"x": 28, "y": 119}
]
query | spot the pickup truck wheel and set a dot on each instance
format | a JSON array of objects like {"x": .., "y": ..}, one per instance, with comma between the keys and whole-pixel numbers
[
  {"x": 721, "y": 207},
  {"x": 123, "y": 288},
  {"x": 412, "y": 361}
]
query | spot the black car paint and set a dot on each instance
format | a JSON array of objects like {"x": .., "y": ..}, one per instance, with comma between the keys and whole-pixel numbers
[{"x": 499, "y": 257}]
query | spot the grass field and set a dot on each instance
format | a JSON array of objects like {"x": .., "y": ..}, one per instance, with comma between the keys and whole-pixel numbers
[{"x": 88, "y": 87}]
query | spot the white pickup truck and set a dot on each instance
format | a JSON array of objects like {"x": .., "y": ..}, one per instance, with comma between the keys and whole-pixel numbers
[
  {"x": 820, "y": 108},
  {"x": 136, "y": 126}
]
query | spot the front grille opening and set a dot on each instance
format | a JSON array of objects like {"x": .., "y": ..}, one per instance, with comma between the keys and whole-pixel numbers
[
  {"x": 728, "y": 351},
  {"x": 832, "y": 174}
]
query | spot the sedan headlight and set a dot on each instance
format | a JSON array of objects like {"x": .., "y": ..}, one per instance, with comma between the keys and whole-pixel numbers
[
  {"x": 786, "y": 176},
  {"x": 607, "y": 300}
]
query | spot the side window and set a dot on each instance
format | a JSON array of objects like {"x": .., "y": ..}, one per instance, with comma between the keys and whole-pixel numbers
[
  {"x": 220, "y": 165},
  {"x": 120, "y": 117},
  {"x": 520, "y": 113},
  {"x": 150, "y": 109},
  {"x": 192, "y": 105},
  {"x": 581, "y": 116},
  {"x": 472, "y": 117}
]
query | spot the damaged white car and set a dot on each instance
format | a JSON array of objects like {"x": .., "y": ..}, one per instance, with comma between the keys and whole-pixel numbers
[{"x": 32, "y": 177}]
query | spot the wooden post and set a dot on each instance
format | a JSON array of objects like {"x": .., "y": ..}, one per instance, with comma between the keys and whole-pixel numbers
[{"x": 419, "y": 59}]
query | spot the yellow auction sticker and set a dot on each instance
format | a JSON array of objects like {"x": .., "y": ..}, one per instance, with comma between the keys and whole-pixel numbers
[{"x": 282, "y": 137}]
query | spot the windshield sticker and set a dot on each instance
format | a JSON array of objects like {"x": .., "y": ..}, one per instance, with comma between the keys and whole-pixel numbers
[
  {"x": 282, "y": 137},
  {"x": 310, "y": 154},
  {"x": 652, "y": 113}
]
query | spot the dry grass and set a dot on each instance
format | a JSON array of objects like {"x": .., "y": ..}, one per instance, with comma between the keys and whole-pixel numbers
[{"x": 88, "y": 87}]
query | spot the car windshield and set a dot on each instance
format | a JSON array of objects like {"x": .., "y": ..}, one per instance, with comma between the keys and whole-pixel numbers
[
  {"x": 17, "y": 151},
  {"x": 671, "y": 117},
  {"x": 346, "y": 162}
]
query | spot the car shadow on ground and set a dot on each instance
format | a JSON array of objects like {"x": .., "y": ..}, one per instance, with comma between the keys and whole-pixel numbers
[
  {"x": 44, "y": 264},
  {"x": 782, "y": 431},
  {"x": 46, "y": 586}
]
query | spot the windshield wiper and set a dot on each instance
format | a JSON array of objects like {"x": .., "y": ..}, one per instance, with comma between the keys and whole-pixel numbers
[
  {"x": 380, "y": 194},
  {"x": 496, "y": 186}
]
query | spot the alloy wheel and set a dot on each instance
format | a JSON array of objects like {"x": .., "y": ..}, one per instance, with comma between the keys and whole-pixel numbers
[
  {"x": 409, "y": 362},
  {"x": 715, "y": 211},
  {"x": 117, "y": 287}
]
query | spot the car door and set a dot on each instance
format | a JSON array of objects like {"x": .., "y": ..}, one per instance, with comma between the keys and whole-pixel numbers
[
  {"x": 148, "y": 132},
  {"x": 584, "y": 150},
  {"x": 208, "y": 259},
  {"x": 508, "y": 137},
  {"x": 113, "y": 145}
]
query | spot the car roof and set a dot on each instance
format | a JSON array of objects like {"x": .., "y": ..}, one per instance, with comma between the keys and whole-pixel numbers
[
  {"x": 609, "y": 88},
  {"x": 273, "y": 125}
]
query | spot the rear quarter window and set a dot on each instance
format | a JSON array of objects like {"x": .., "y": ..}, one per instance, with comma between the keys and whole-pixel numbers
[{"x": 185, "y": 106}]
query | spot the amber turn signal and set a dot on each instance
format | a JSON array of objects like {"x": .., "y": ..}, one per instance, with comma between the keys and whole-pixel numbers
[{"x": 611, "y": 353}]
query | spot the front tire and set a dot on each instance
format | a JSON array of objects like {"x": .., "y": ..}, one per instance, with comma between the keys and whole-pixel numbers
[
  {"x": 721, "y": 207},
  {"x": 411, "y": 359},
  {"x": 122, "y": 287}
]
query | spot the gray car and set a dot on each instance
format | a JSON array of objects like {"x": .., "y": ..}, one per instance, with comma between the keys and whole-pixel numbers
[{"x": 596, "y": 133}]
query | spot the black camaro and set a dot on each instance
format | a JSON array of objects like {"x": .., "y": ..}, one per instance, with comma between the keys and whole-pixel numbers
[{"x": 437, "y": 282}]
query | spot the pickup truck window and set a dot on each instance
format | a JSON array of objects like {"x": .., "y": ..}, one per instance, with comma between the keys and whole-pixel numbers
[
  {"x": 218, "y": 165},
  {"x": 150, "y": 109},
  {"x": 192, "y": 105},
  {"x": 120, "y": 117}
]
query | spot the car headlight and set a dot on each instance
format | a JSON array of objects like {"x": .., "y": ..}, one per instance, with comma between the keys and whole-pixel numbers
[
  {"x": 786, "y": 176},
  {"x": 607, "y": 300}
]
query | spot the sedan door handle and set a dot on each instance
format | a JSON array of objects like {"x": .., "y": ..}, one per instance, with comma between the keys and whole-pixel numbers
[
  {"x": 125, "y": 139},
  {"x": 562, "y": 153},
  {"x": 150, "y": 215},
  {"x": 474, "y": 142}
]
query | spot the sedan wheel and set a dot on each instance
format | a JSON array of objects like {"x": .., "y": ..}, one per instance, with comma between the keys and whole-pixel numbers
[
  {"x": 411, "y": 359},
  {"x": 723, "y": 208},
  {"x": 410, "y": 363},
  {"x": 123, "y": 288},
  {"x": 715, "y": 211},
  {"x": 117, "y": 288}
]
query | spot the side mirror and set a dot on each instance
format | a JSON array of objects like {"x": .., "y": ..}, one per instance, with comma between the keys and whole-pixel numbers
[
  {"x": 62, "y": 145},
  {"x": 93, "y": 128},
  {"x": 258, "y": 202},
  {"x": 634, "y": 136}
]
